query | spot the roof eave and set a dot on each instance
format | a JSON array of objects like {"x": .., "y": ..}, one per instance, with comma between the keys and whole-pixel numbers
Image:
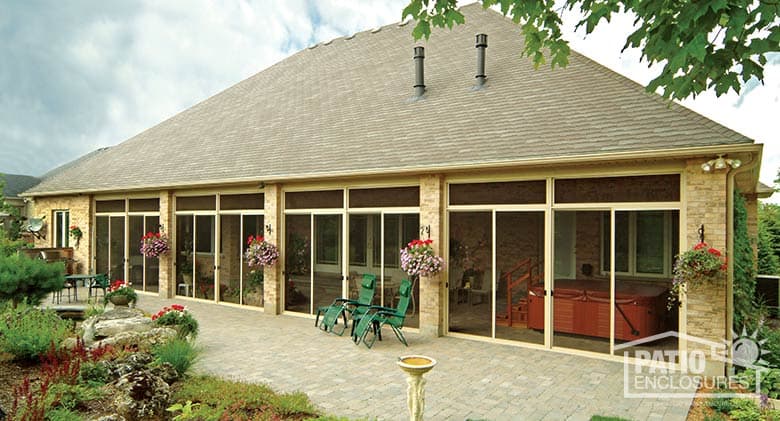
[{"x": 676, "y": 153}]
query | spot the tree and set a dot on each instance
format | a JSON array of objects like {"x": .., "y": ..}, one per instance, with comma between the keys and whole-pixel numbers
[
  {"x": 768, "y": 239},
  {"x": 23, "y": 278},
  {"x": 702, "y": 45},
  {"x": 13, "y": 222}
]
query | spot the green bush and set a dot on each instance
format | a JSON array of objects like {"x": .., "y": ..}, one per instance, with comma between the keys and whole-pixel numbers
[
  {"x": 180, "y": 353},
  {"x": 93, "y": 373},
  {"x": 72, "y": 396},
  {"x": 22, "y": 278},
  {"x": 745, "y": 410},
  {"x": 744, "y": 272},
  {"x": 62, "y": 414},
  {"x": 27, "y": 332},
  {"x": 722, "y": 405}
]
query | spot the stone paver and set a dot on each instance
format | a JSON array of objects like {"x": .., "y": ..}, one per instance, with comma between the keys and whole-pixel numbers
[{"x": 473, "y": 379}]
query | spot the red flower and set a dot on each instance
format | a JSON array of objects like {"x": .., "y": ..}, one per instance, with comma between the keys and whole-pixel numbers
[
  {"x": 700, "y": 246},
  {"x": 250, "y": 239},
  {"x": 714, "y": 251},
  {"x": 178, "y": 307}
]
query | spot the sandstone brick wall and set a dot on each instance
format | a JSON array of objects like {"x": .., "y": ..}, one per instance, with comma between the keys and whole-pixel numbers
[
  {"x": 432, "y": 290},
  {"x": 167, "y": 270},
  {"x": 80, "y": 208},
  {"x": 272, "y": 276},
  {"x": 706, "y": 204}
]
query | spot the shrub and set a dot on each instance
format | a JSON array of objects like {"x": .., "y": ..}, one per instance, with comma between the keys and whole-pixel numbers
[
  {"x": 744, "y": 273},
  {"x": 62, "y": 414},
  {"x": 180, "y": 353},
  {"x": 93, "y": 373},
  {"x": 27, "y": 333},
  {"x": 23, "y": 278},
  {"x": 94, "y": 310},
  {"x": 722, "y": 405},
  {"x": 72, "y": 396},
  {"x": 180, "y": 318}
]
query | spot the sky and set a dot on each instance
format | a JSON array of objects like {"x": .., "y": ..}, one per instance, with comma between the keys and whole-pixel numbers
[{"x": 76, "y": 76}]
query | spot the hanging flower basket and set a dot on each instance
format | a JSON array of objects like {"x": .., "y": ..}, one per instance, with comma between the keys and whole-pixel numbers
[
  {"x": 155, "y": 244},
  {"x": 260, "y": 252},
  {"x": 419, "y": 259},
  {"x": 76, "y": 233},
  {"x": 701, "y": 265}
]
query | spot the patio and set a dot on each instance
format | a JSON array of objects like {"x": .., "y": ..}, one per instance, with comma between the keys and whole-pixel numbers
[{"x": 473, "y": 379}]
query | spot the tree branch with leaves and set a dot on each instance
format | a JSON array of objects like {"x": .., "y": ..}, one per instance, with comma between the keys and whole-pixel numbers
[{"x": 716, "y": 44}]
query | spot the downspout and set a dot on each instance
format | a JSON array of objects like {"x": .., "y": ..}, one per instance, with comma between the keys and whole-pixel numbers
[{"x": 730, "y": 252}]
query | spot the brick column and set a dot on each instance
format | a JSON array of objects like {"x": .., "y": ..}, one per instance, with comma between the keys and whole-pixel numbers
[
  {"x": 432, "y": 291},
  {"x": 167, "y": 271},
  {"x": 272, "y": 276},
  {"x": 706, "y": 305}
]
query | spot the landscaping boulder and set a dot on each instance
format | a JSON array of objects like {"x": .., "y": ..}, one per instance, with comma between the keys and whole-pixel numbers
[
  {"x": 112, "y": 417},
  {"x": 114, "y": 322},
  {"x": 141, "y": 396},
  {"x": 165, "y": 371},
  {"x": 136, "y": 361},
  {"x": 140, "y": 340}
]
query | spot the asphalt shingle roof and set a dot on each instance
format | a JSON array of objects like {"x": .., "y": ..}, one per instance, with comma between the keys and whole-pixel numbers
[{"x": 344, "y": 107}]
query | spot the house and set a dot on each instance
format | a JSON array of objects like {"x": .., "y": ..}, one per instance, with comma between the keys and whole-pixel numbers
[
  {"x": 14, "y": 185},
  {"x": 533, "y": 184}
]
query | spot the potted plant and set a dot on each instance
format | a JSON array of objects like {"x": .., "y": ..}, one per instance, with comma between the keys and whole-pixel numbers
[
  {"x": 184, "y": 266},
  {"x": 155, "y": 244},
  {"x": 179, "y": 318},
  {"x": 701, "y": 265},
  {"x": 120, "y": 294}
]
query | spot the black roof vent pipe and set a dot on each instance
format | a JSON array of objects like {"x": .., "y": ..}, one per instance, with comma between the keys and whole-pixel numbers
[
  {"x": 481, "y": 46},
  {"x": 419, "y": 72}
]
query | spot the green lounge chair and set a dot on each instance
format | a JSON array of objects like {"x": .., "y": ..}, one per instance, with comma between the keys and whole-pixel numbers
[
  {"x": 377, "y": 316},
  {"x": 341, "y": 306}
]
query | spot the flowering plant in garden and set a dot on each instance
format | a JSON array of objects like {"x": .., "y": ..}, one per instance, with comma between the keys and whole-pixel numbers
[
  {"x": 177, "y": 316},
  {"x": 75, "y": 232},
  {"x": 154, "y": 244},
  {"x": 121, "y": 288},
  {"x": 418, "y": 258},
  {"x": 696, "y": 266},
  {"x": 260, "y": 252}
]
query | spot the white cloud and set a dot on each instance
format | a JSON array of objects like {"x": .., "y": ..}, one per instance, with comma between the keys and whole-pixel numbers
[{"x": 76, "y": 77}]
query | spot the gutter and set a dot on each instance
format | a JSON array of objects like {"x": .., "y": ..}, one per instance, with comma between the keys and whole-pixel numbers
[
  {"x": 654, "y": 154},
  {"x": 730, "y": 180}
]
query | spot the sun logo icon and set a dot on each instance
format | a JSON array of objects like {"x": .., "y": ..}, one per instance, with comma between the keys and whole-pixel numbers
[{"x": 747, "y": 350}]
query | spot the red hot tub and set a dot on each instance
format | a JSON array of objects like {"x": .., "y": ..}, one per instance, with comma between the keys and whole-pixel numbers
[{"x": 582, "y": 307}]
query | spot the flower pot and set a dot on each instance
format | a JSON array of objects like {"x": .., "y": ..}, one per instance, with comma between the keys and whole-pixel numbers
[{"x": 119, "y": 300}]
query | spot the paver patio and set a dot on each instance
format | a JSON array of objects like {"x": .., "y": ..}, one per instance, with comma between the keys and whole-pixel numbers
[{"x": 473, "y": 379}]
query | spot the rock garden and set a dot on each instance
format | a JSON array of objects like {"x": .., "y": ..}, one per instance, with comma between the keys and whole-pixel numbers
[{"x": 121, "y": 364}]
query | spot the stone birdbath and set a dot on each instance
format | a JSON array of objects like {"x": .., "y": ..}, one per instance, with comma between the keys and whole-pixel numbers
[{"x": 415, "y": 366}]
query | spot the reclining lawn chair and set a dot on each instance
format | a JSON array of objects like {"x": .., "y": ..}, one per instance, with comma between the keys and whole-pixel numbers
[
  {"x": 341, "y": 306},
  {"x": 377, "y": 316}
]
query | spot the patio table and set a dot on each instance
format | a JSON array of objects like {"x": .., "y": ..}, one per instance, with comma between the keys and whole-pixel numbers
[{"x": 73, "y": 280}]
